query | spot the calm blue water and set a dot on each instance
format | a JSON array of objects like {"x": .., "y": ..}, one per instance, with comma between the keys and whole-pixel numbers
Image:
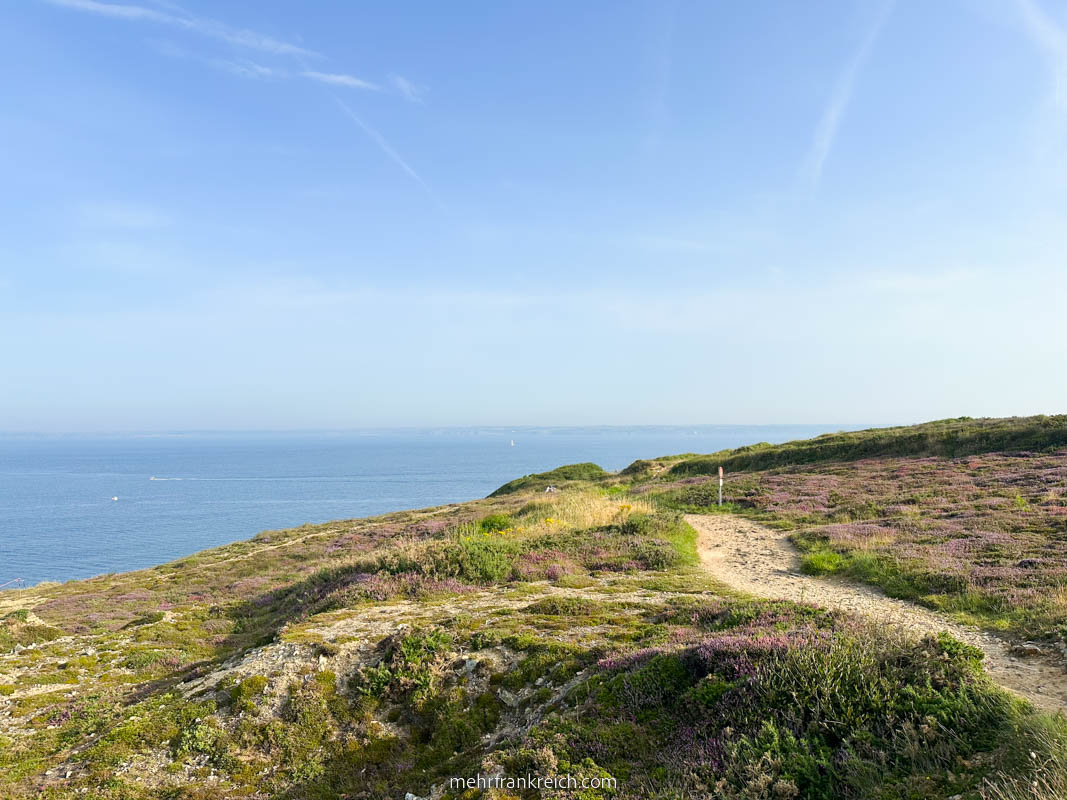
[{"x": 181, "y": 493}]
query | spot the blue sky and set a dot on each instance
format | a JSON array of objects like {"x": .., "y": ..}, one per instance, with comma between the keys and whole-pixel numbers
[{"x": 265, "y": 215}]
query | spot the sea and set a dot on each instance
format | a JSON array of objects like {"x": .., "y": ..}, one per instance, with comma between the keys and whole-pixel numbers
[{"x": 78, "y": 506}]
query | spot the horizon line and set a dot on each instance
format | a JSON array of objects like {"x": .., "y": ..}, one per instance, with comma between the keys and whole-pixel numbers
[{"x": 461, "y": 427}]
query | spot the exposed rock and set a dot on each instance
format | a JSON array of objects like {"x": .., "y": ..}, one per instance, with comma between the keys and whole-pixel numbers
[{"x": 1027, "y": 649}]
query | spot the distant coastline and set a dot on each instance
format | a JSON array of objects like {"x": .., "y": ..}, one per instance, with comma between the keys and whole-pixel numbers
[{"x": 181, "y": 492}]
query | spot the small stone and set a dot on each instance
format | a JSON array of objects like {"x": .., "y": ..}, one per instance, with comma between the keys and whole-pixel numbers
[{"x": 1027, "y": 649}]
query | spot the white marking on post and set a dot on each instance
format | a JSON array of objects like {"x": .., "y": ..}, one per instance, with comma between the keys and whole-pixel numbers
[{"x": 720, "y": 486}]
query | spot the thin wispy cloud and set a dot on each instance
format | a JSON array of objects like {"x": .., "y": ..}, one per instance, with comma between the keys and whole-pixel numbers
[
  {"x": 250, "y": 69},
  {"x": 246, "y": 68},
  {"x": 406, "y": 88},
  {"x": 1052, "y": 40},
  {"x": 240, "y": 37},
  {"x": 340, "y": 79},
  {"x": 822, "y": 141},
  {"x": 241, "y": 68},
  {"x": 385, "y": 147},
  {"x": 175, "y": 18},
  {"x": 167, "y": 14}
]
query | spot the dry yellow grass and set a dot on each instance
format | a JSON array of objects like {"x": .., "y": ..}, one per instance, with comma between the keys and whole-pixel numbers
[{"x": 581, "y": 509}]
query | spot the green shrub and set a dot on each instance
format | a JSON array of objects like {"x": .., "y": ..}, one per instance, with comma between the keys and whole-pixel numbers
[
  {"x": 244, "y": 694},
  {"x": 571, "y": 472},
  {"x": 373, "y": 681},
  {"x": 494, "y": 523},
  {"x": 139, "y": 659},
  {"x": 307, "y": 722},
  {"x": 475, "y": 558},
  {"x": 657, "y": 555},
  {"x": 410, "y": 668},
  {"x": 636, "y": 525},
  {"x": 15, "y": 629},
  {"x": 638, "y": 468},
  {"x": 484, "y": 560},
  {"x": 657, "y": 683},
  {"x": 198, "y": 732},
  {"x": 851, "y": 713},
  {"x": 709, "y": 690}
]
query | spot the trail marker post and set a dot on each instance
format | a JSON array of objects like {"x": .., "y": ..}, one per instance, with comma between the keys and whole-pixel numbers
[{"x": 720, "y": 486}]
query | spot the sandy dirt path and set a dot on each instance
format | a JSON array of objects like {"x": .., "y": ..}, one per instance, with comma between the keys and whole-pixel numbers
[{"x": 763, "y": 562}]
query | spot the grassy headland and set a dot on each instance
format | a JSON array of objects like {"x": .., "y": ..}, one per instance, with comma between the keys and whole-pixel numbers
[
  {"x": 550, "y": 633},
  {"x": 980, "y": 533}
]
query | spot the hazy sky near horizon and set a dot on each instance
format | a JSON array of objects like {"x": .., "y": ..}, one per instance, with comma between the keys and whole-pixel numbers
[{"x": 255, "y": 215}]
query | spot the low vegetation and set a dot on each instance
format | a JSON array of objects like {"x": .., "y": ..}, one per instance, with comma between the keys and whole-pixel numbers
[
  {"x": 554, "y": 633},
  {"x": 561, "y": 476},
  {"x": 982, "y": 537},
  {"x": 948, "y": 438},
  {"x": 767, "y": 700}
]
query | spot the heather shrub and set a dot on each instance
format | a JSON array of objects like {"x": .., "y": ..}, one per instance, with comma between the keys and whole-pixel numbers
[
  {"x": 636, "y": 525},
  {"x": 656, "y": 555},
  {"x": 983, "y": 537},
  {"x": 534, "y": 545},
  {"x": 649, "y": 678},
  {"x": 772, "y": 704},
  {"x": 950, "y": 438},
  {"x": 661, "y": 679}
]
